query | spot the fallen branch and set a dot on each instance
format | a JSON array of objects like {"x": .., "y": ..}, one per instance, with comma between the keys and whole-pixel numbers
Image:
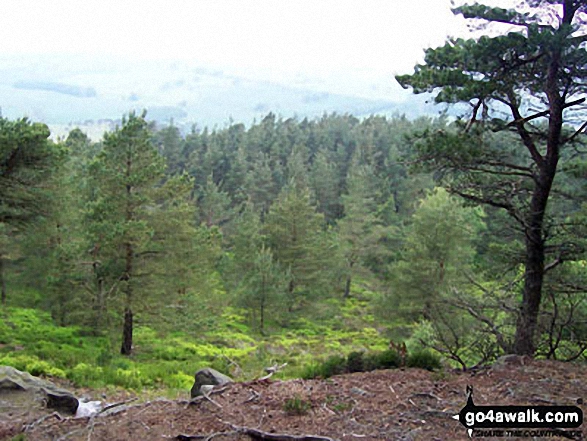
[
  {"x": 254, "y": 434},
  {"x": 260, "y": 435},
  {"x": 271, "y": 370},
  {"x": 254, "y": 396},
  {"x": 68, "y": 434},
  {"x": 40, "y": 420},
  {"x": 204, "y": 437},
  {"x": 206, "y": 396},
  {"x": 113, "y": 405}
]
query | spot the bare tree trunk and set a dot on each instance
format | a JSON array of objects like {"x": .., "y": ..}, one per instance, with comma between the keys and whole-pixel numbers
[
  {"x": 127, "y": 330},
  {"x": 290, "y": 289},
  {"x": 524, "y": 342},
  {"x": 2, "y": 281},
  {"x": 347, "y": 288}
]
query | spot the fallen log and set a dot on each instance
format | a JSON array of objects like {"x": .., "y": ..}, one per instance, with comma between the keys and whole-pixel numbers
[{"x": 256, "y": 435}]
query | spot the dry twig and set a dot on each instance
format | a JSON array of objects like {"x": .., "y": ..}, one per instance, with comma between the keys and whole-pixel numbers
[
  {"x": 32, "y": 425},
  {"x": 254, "y": 434}
]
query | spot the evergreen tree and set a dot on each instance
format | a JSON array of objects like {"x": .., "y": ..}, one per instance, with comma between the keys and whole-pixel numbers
[
  {"x": 438, "y": 252},
  {"x": 27, "y": 159},
  {"x": 171, "y": 145},
  {"x": 259, "y": 185},
  {"x": 215, "y": 205},
  {"x": 263, "y": 285},
  {"x": 360, "y": 230},
  {"x": 324, "y": 178},
  {"x": 537, "y": 70},
  {"x": 130, "y": 242},
  {"x": 295, "y": 234}
]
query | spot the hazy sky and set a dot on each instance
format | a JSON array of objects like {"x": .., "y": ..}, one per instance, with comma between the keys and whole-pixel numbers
[{"x": 269, "y": 37}]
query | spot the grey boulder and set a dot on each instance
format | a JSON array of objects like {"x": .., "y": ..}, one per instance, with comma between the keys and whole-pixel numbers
[
  {"x": 22, "y": 390},
  {"x": 206, "y": 379}
]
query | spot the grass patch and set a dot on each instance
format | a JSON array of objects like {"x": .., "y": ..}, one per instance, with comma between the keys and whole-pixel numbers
[
  {"x": 365, "y": 362},
  {"x": 296, "y": 406},
  {"x": 30, "y": 341}
]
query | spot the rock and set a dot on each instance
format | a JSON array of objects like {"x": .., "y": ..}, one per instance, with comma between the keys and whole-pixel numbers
[
  {"x": 506, "y": 361},
  {"x": 358, "y": 391},
  {"x": 88, "y": 408},
  {"x": 22, "y": 390},
  {"x": 208, "y": 377}
]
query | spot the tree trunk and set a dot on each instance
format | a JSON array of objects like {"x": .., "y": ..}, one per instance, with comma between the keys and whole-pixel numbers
[
  {"x": 127, "y": 328},
  {"x": 534, "y": 272},
  {"x": 126, "y": 348},
  {"x": 262, "y": 318},
  {"x": 524, "y": 343},
  {"x": 262, "y": 311},
  {"x": 2, "y": 281},
  {"x": 290, "y": 289},
  {"x": 347, "y": 288}
]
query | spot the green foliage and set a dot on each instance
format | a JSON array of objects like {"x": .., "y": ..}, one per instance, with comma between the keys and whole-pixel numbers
[
  {"x": 354, "y": 362},
  {"x": 296, "y": 406},
  {"x": 423, "y": 359},
  {"x": 386, "y": 360},
  {"x": 264, "y": 232},
  {"x": 33, "y": 365},
  {"x": 438, "y": 253},
  {"x": 295, "y": 234},
  {"x": 27, "y": 158},
  {"x": 512, "y": 80},
  {"x": 214, "y": 204},
  {"x": 357, "y": 361},
  {"x": 361, "y": 230},
  {"x": 137, "y": 221}
]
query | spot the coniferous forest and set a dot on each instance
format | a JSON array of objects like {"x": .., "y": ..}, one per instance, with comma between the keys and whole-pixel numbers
[{"x": 135, "y": 259}]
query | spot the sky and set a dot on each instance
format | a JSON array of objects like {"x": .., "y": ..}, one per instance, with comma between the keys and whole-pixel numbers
[
  {"x": 289, "y": 56},
  {"x": 336, "y": 40}
]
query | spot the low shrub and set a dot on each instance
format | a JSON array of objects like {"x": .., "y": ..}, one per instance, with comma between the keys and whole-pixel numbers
[
  {"x": 423, "y": 359},
  {"x": 334, "y": 365},
  {"x": 296, "y": 406},
  {"x": 180, "y": 381},
  {"x": 354, "y": 362},
  {"x": 43, "y": 368},
  {"x": 33, "y": 365},
  {"x": 388, "y": 359},
  {"x": 310, "y": 371},
  {"x": 361, "y": 362}
]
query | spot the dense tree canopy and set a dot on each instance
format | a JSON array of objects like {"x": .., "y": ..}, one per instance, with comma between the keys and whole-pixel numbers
[
  {"x": 27, "y": 158},
  {"x": 531, "y": 81}
]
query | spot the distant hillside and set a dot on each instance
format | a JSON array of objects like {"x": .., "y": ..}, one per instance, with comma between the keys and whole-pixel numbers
[{"x": 70, "y": 91}]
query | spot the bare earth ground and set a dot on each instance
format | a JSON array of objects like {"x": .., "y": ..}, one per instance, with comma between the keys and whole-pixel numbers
[{"x": 409, "y": 404}]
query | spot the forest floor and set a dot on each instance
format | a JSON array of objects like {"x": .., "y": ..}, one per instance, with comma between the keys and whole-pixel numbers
[{"x": 401, "y": 404}]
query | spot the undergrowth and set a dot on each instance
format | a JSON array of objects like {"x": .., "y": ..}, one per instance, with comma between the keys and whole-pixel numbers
[{"x": 30, "y": 341}]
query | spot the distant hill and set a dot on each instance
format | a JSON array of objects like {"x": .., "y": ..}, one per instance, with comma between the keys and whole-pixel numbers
[{"x": 66, "y": 92}]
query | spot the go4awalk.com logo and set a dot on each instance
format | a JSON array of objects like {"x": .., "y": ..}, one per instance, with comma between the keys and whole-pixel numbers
[{"x": 520, "y": 421}]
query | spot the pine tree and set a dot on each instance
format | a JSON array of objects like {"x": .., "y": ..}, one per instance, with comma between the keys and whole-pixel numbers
[
  {"x": 27, "y": 159},
  {"x": 438, "y": 252},
  {"x": 530, "y": 81},
  {"x": 295, "y": 234},
  {"x": 259, "y": 185},
  {"x": 215, "y": 205},
  {"x": 326, "y": 186},
  {"x": 131, "y": 241},
  {"x": 171, "y": 145},
  {"x": 360, "y": 230}
]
